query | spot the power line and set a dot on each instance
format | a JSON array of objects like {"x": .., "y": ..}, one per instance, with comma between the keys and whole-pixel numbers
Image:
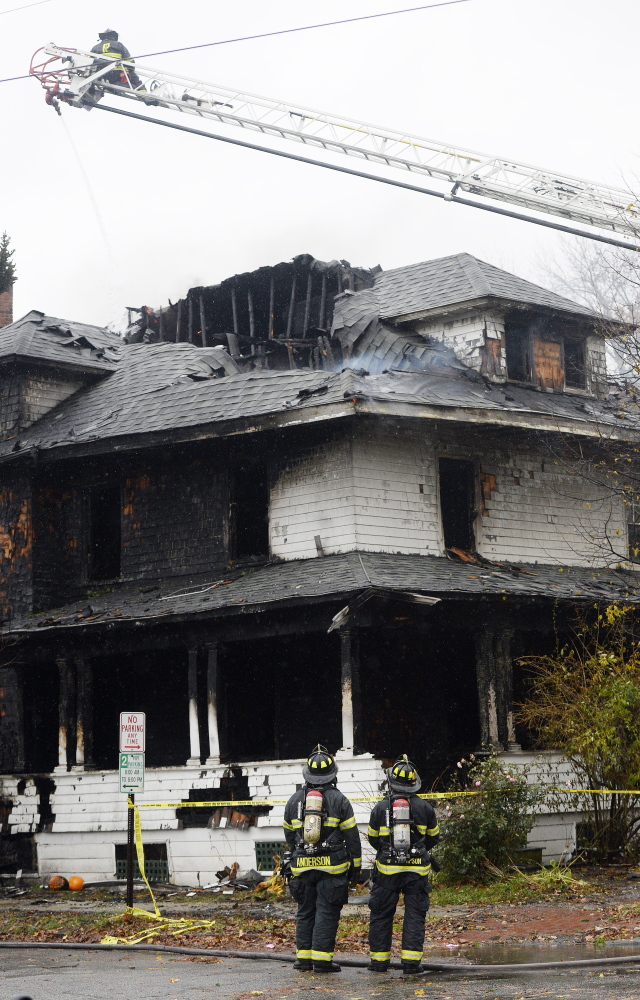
[
  {"x": 264, "y": 34},
  {"x": 14, "y": 9},
  {"x": 521, "y": 217}
]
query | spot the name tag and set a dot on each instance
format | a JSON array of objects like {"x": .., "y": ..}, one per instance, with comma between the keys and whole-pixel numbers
[
  {"x": 320, "y": 862},
  {"x": 416, "y": 861}
]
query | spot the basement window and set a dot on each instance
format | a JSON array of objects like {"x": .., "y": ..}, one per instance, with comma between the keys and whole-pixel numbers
[
  {"x": 105, "y": 533},
  {"x": 457, "y": 502},
  {"x": 249, "y": 510}
]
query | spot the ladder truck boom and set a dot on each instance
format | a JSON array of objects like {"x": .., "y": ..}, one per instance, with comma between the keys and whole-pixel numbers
[{"x": 81, "y": 79}]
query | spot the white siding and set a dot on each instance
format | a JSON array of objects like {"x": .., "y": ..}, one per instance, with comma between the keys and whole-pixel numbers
[
  {"x": 313, "y": 495},
  {"x": 364, "y": 493}
]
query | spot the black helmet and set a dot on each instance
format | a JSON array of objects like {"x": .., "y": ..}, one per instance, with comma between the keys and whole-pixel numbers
[
  {"x": 320, "y": 768},
  {"x": 109, "y": 35},
  {"x": 403, "y": 776}
]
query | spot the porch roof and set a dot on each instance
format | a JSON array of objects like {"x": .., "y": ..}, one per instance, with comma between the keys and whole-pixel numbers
[{"x": 331, "y": 578}]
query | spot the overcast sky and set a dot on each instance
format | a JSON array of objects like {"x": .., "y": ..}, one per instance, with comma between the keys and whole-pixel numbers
[{"x": 105, "y": 212}]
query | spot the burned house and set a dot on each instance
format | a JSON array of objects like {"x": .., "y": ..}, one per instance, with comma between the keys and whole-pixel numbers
[{"x": 312, "y": 503}]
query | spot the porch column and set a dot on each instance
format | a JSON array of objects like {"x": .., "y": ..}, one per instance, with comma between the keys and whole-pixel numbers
[
  {"x": 212, "y": 705},
  {"x": 487, "y": 691},
  {"x": 84, "y": 715},
  {"x": 351, "y": 704},
  {"x": 64, "y": 699},
  {"x": 194, "y": 732},
  {"x": 504, "y": 663}
]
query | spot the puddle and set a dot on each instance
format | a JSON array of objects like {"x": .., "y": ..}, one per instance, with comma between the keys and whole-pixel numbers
[{"x": 515, "y": 954}]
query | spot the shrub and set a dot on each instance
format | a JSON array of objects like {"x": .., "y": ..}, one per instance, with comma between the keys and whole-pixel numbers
[{"x": 488, "y": 827}]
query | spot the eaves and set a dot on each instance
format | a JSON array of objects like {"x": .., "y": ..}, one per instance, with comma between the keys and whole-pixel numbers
[
  {"x": 70, "y": 365},
  {"x": 485, "y": 302},
  {"x": 516, "y": 419}
]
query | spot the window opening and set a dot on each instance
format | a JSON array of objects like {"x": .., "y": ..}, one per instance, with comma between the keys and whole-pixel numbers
[
  {"x": 517, "y": 349},
  {"x": 105, "y": 533},
  {"x": 457, "y": 502},
  {"x": 633, "y": 529},
  {"x": 249, "y": 510},
  {"x": 574, "y": 364}
]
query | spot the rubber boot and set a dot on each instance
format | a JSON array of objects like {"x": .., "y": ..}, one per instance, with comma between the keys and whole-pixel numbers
[
  {"x": 326, "y": 967},
  {"x": 413, "y": 968},
  {"x": 378, "y": 966},
  {"x": 303, "y": 965}
]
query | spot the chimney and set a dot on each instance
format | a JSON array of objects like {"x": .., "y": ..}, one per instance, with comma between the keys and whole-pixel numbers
[{"x": 6, "y": 307}]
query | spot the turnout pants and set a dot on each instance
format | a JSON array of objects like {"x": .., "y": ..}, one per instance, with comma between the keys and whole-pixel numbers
[
  {"x": 320, "y": 897},
  {"x": 384, "y": 899}
]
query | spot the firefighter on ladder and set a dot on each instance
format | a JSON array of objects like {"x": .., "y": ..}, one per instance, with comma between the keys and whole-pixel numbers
[
  {"x": 111, "y": 48},
  {"x": 324, "y": 857},
  {"x": 402, "y": 828}
]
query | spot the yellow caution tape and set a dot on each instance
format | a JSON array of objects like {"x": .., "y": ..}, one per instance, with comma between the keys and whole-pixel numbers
[{"x": 373, "y": 798}]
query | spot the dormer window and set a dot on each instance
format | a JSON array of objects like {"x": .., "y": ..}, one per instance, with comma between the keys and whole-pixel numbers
[{"x": 541, "y": 352}]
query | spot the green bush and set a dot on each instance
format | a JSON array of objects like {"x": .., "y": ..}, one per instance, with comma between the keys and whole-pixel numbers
[{"x": 488, "y": 827}]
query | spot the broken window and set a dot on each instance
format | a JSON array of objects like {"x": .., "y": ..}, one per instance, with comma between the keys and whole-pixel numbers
[
  {"x": 105, "y": 533},
  {"x": 633, "y": 529},
  {"x": 517, "y": 349},
  {"x": 457, "y": 502},
  {"x": 249, "y": 510},
  {"x": 574, "y": 364}
]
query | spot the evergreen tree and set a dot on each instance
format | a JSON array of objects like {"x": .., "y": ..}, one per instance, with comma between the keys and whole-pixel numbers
[{"x": 7, "y": 267}]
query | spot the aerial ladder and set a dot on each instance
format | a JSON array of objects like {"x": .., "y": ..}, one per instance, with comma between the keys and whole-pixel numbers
[{"x": 82, "y": 79}]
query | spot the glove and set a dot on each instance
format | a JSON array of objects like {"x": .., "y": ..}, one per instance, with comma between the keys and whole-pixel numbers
[
  {"x": 435, "y": 864},
  {"x": 354, "y": 877},
  {"x": 285, "y": 864}
]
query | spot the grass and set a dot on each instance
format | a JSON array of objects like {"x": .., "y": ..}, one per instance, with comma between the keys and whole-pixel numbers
[{"x": 517, "y": 887}]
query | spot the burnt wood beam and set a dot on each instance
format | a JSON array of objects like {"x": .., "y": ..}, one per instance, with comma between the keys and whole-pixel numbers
[
  {"x": 179, "y": 323},
  {"x": 504, "y": 675},
  {"x": 64, "y": 704},
  {"x": 307, "y": 307},
  {"x": 351, "y": 700},
  {"x": 234, "y": 311},
  {"x": 190, "y": 321},
  {"x": 212, "y": 705},
  {"x": 323, "y": 303},
  {"x": 487, "y": 691},
  {"x": 203, "y": 325},
  {"x": 292, "y": 303},
  {"x": 192, "y": 686},
  {"x": 271, "y": 307},
  {"x": 84, "y": 715}
]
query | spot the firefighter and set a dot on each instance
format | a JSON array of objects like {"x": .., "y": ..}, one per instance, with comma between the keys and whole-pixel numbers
[
  {"x": 111, "y": 48},
  {"x": 324, "y": 858},
  {"x": 402, "y": 828}
]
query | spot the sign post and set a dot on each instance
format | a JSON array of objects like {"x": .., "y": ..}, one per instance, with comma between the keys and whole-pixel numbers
[{"x": 131, "y": 768}]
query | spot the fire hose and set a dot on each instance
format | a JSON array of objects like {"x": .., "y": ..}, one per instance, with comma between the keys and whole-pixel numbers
[{"x": 579, "y": 963}]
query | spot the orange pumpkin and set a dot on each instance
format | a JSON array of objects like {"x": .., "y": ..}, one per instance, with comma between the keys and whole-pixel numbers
[
  {"x": 76, "y": 883},
  {"x": 58, "y": 882}
]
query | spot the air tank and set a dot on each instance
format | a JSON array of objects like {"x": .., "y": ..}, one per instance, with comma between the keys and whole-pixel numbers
[{"x": 312, "y": 817}]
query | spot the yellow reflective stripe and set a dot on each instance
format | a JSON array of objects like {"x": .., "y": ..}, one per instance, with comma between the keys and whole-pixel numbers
[
  {"x": 372, "y": 833},
  {"x": 434, "y": 831},
  {"x": 421, "y": 829},
  {"x": 286, "y": 825},
  {"x": 356, "y": 862},
  {"x": 348, "y": 824},
  {"x": 385, "y": 831},
  {"x": 331, "y": 869},
  {"x": 331, "y": 821},
  {"x": 411, "y": 956},
  {"x": 379, "y": 956},
  {"x": 322, "y": 956},
  {"x": 397, "y": 869},
  {"x": 303, "y": 954},
  {"x": 296, "y": 824}
]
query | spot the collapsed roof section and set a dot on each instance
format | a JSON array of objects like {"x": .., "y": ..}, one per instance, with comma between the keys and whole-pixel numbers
[{"x": 276, "y": 317}]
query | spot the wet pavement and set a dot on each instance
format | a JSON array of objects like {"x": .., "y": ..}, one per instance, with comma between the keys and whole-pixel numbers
[{"x": 51, "y": 975}]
